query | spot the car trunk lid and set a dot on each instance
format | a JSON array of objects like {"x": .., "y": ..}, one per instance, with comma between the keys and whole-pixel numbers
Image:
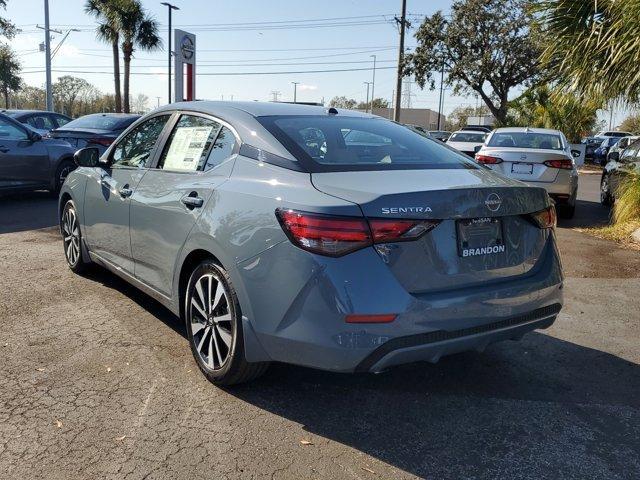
[
  {"x": 476, "y": 209},
  {"x": 525, "y": 164}
]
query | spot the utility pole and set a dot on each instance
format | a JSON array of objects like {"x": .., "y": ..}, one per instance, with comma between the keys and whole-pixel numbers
[
  {"x": 275, "y": 94},
  {"x": 440, "y": 102},
  {"x": 158, "y": 101},
  {"x": 366, "y": 104},
  {"x": 47, "y": 47},
  {"x": 373, "y": 82},
  {"x": 295, "y": 88},
  {"x": 169, "y": 50},
  {"x": 393, "y": 96},
  {"x": 402, "y": 21}
]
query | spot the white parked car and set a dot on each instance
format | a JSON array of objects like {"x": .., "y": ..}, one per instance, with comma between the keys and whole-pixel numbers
[
  {"x": 466, "y": 141},
  {"x": 538, "y": 156}
]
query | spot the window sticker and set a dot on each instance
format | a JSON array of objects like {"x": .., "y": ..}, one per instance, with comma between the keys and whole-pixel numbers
[{"x": 186, "y": 148}]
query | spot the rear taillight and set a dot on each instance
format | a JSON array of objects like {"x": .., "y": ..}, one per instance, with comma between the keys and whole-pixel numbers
[
  {"x": 487, "y": 160},
  {"x": 545, "y": 218},
  {"x": 563, "y": 164},
  {"x": 105, "y": 142},
  {"x": 335, "y": 236}
]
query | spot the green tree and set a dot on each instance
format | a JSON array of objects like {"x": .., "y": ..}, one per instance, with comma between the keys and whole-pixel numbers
[
  {"x": 7, "y": 29},
  {"x": 68, "y": 91},
  {"x": 139, "y": 31},
  {"x": 594, "y": 46},
  {"x": 458, "y": 118},
  {"x": 631, "y": 124},
  {"x": 107, "y": 12},
  {"x": 486, "y": 47},
  {"x": 377, "y": 103},
  {"x": 545, "y": 107},
  {"x": 10, "y": 80},
  {"x": 343, "y": 102}
]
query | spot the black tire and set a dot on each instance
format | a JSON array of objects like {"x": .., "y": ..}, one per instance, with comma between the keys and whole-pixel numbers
[
  {"x": 606, "y": 198},
  {"x": 211, "y": 320},
  {"x": 72, "y": 238},
  {"x": 64, "y": 169}
]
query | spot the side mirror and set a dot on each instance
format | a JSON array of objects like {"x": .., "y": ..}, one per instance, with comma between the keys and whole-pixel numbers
[
  {"x": 614, "y": 156},
  {"x": 575, "y": 153},
  {"x": 87, "y": 157},
  {"x": 35, "y": 136},
  {"x": 477, "y": 148}
]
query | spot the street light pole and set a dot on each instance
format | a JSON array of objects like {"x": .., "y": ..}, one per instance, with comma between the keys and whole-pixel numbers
[
  {"x": 169, "y": 52},
  {"x": 440, "y": 102},
  {"x": 373, "y": 82},
  {"x": 47, "y": 47},
  {"x": 295, "y": 91},
  {"x": 402, "y": 21},
  {"x": 366, "y": 105}
]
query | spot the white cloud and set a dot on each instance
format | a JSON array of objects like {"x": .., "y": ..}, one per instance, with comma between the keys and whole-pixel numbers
[{"x": 307, "y": 87}]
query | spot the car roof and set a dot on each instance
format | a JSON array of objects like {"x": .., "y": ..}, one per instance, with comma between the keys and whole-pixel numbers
[
  {"x": 24, "y": 112},
  {"x": 525, "y": 130},
  {"x": 479, "y": 132},
  {"x": 259, "y": 109}
]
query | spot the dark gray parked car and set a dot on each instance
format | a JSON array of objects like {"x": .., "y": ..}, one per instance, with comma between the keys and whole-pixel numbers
[
  {"x": 39, "y": 120},
  {"x": 96, "y": 130},
  {"x": 30, "y": 162},
  {"x": 320, "y": 237}
]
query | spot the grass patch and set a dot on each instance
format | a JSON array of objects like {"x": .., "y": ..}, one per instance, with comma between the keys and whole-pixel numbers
[{"x": 618, "y": 232}]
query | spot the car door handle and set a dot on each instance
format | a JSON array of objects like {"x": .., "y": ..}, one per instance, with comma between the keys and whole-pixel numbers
[
  {"x": 125, "y": 191},
  {"x": 192, "y": 201},
  {"x": 4, "y": 149}
]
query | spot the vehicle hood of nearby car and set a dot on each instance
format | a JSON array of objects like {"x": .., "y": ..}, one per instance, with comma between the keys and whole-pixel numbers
[{"x": 448, "y": 193}]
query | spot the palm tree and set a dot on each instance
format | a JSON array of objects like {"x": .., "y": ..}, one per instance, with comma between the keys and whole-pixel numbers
[
  {"x": 108, "y": 31},
  {"x": 138, "y": 30},
  {"x": 593, "y": 46}
]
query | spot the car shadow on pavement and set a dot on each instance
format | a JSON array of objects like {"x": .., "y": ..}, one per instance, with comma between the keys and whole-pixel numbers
[
  {"x": 588, "y": 214},
  {"x": 27, "y": 211},
  {"x": 503, "y": 410}
]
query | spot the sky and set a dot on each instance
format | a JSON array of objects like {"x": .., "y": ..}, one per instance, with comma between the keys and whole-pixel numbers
[
  {"x": 245, "y": 37},
  {"x": 237, "y": 41}
]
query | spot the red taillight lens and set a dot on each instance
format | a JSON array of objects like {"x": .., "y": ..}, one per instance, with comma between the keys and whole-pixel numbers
[
  {"x": 370, "y": 318},
  {"x": 105, "y": 142},
  {"x": 545, "y": 218},
  {"x": 487, "y": 160},
  {"x": 335, "y": 236},
  {"x": 324, "y": 234},
  {"x": 563, "y": 164}
]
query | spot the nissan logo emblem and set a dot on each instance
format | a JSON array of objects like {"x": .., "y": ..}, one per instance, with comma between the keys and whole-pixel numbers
[
  {"x": 186, "y": 48},
  {"x": 493, "y": 202}
]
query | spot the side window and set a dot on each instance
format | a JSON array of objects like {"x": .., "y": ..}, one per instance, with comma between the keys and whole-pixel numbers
[
  {"x": 189, "y": 144},
  {"x": 41, "y": 122},
  {"x": 9, "y": 131},
  {"x": 135, "y": 148},
  {"x": 222, "y": 148},
  {"x": 60, "y": 120}
]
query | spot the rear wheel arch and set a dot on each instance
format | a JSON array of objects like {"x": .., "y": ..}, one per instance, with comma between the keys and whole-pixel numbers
[{"x": 191, "y": 261}]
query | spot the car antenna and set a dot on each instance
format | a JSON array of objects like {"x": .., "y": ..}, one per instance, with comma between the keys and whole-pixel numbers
[{"x": 332, "y": 111}]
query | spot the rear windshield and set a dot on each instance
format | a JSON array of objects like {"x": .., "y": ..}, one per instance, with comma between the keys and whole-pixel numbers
[
  {"x": 470, "y": 137},
  {"x": 101, "y": 122},
  {"x": 544, "y": 141},
  {"x": 334, "y": 143}
]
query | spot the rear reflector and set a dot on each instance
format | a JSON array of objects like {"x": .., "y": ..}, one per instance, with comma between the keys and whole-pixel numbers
[
  {"x": 487, "y": 160},
  {"x": 335, "y": 235},
  {"x": 544, "y": 218},
  {"x": 370, "y": 318},
  {"x": 565, "y": 164}
]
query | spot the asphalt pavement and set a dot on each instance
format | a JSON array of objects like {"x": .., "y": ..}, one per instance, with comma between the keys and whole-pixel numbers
[{"x": 98, "y": 382}]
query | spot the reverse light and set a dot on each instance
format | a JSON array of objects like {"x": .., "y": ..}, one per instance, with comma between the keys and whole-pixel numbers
[
  {"x": 105, "y": 142},
  {"x": 564, "y": 164},
  {"x": 545, "y": 218},
  {"x": 335, "y": 236},
  {"x": 487, "y": 159}
]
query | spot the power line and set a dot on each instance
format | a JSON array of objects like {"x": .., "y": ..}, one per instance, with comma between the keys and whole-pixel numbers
[
  {"x": 236, "y": 65},
  {"x": 221, "y": 73}
]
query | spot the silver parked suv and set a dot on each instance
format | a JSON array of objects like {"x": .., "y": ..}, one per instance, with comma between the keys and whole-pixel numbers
[
  {"x": 319, "y": 237},
  {"x": 537, "y": 156}
]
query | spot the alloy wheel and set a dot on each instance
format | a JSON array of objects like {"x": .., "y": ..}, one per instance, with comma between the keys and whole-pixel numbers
[
  {"x": 604, "y": 190},
  {"x": 64, "y": 173},
  {"x": 210, "y": 321},
  {"x": 71, "y": 236}
]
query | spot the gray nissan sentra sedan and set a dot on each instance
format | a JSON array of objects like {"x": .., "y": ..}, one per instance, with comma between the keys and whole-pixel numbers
[{"x": 319, "y": 237}]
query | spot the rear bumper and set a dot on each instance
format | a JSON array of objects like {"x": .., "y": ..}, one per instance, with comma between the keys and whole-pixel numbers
[{"x": 298, "y": 316}]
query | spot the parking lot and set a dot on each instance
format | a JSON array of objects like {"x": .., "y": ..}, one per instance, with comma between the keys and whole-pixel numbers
[{"x": 99, "y": 382}]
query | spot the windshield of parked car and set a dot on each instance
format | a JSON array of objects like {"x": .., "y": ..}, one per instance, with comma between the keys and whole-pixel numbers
[
  {"x": 540, "y": 141},
  {"x": 101, "y": 122},
  {"x": 334, "y": 143},
  {"x": 470, "y": 137},
  {"x": 610, "y": 142}
]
